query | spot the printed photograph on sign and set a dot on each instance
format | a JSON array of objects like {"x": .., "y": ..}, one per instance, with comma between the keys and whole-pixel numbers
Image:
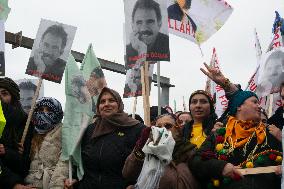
[
  {"x": 271, "y": 72},
  {"x": 96, "y": 82},
  {"x": 2, "y": 48},
  {"x": 27, "y": 90},
  {"x": 146, "y": 28},
  {"x": 50, "y": 51},
  {"x": 80, "y": 89},
  {"x": 133, "y": 85},
  {"x": 197, "y": 20}
]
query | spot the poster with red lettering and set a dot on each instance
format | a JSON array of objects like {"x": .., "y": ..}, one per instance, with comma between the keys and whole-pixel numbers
[
  {"x": 197, "y": 20},
  {"x": 146, "y": 31},
  {"x": 51, "y": 50}
]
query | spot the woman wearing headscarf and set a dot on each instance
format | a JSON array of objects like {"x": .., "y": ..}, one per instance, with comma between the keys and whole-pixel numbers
[
  {"x": 14, "y": 158},
  {"x": 243, "y": 143},
  {"x": 47, "y": 171},
  {"x": 172, "y": 175},
  {"x": 106, "y": 144}
]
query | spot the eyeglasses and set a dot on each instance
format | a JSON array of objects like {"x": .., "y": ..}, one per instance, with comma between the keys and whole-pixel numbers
[{"x": 166, "y": 125}]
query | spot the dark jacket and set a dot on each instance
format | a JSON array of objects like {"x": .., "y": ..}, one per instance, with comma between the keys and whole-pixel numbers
[
  {"x": 52, "y": 73},
  {"x": 2, "y": 63},
  {"x": 277, "y": 118},
  {"x": 104, "y": 157},
  {"x": 207, "y": 167},
  {"x": 14, "y": 165}
]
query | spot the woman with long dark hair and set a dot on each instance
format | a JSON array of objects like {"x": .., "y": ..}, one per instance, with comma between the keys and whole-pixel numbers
[{"x": 203, "y": 117}]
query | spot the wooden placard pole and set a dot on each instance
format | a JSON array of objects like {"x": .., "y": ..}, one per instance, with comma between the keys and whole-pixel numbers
[
  {"x": 148, "y": 121},
  {"x": 31, "y": 111},
  {"x": 145, "y": 93},
  {"x": 258, "y": 170},
  {"x": 134, "y": 107}
]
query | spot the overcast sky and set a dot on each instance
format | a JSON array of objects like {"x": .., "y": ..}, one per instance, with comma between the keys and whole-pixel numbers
[{"x": 100, "y": 23}]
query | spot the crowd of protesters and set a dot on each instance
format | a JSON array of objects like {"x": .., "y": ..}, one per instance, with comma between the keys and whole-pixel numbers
[{"x": 181, "y": 150}]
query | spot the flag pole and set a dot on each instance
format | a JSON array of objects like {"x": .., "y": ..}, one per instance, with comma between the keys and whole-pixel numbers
[
  {"x": 134, "y": 107},
  {"x": 31, "y": 111},
  {"x": 159, "y": 87},
  {"x": 270, "y": 105},
  {"x": 70, "y": 169}
]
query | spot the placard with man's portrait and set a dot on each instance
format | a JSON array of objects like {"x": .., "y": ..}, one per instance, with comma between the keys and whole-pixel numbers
[
  {"x": 51, "y": 50},
  {"x": 27, "y": 91},
  {"x": 133, "y": 84},
  {"x": 271, "y": 72},
  {"x": 146, "y": 28}
]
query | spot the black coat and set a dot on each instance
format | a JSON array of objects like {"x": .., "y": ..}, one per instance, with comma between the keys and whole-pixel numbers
[
  {"x": 103, "y": 157},
  {"x": 277, "y": 118},
  {"x": 207, "y": 168},
  {"x": 14, "y": 165}
]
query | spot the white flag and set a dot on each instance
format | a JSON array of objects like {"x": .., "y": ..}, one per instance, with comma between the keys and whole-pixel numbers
[{"x": 221, "y": 100}]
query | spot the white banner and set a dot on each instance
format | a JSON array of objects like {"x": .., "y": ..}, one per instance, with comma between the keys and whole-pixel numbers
[
  {"x": 197, "y": 20},
  {"x": 221, "y": 100}
]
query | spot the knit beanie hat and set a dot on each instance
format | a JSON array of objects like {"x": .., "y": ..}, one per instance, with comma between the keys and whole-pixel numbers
[
  {"x": 238, "y": 99},
  {"x": 8, "y": 84}
]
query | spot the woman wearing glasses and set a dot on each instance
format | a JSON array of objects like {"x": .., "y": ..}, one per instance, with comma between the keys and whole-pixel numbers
[{"x": 176, "y": 174}]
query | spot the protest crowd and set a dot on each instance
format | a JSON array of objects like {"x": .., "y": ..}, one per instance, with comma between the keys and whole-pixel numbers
[{"x": 93, "y": 143}]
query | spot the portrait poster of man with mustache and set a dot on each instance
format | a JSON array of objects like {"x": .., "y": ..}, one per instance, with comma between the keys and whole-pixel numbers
[
  {"x": 146, "y": 28},
  {"x": 51, "y": 50},
  {"x": 2, "y": 48}
]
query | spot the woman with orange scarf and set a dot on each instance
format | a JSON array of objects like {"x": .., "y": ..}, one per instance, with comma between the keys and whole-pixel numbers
[{"x": 243, "y": 143}]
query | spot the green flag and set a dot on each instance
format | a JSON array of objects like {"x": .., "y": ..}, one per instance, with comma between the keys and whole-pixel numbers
[
  {"x": 4, "y": 9},
  {"x": 93, "y": 74},
  {"x": 77, "y": 115}
]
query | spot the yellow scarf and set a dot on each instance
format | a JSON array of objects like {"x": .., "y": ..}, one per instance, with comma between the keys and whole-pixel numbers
[{"x": 239, "y": 132}]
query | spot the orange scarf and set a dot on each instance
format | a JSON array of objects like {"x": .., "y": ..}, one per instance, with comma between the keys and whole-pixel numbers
[{"x": 238, "y": 132}]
